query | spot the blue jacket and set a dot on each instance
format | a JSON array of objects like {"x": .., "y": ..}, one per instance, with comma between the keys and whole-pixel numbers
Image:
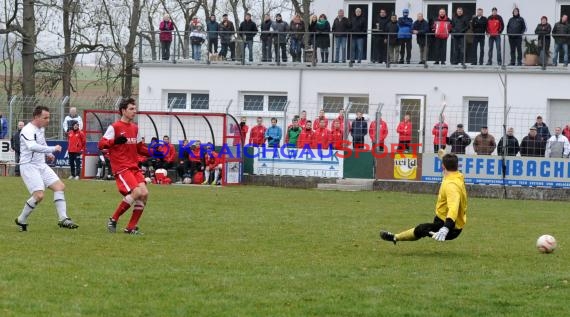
[
  {"x": 213, "y": 28},
  {"x": 273, "y": 135},
  {"x": 3, "y": 127},
  {"x": 405, "y": 27}
]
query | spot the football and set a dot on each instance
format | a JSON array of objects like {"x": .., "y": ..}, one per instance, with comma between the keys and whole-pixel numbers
[
  {"x": 148, "y": 180},
  {"x": 546, "y": 244}
]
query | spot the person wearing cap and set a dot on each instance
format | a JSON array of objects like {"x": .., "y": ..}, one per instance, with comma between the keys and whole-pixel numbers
[
  {"x": 542, "y": 129},
  {"x": 508, "y": 145},
  {"x": 532, "y": 145},
  {"x": 515, "y": 28},
  {"x": 460, "y": 25},
  {"x": 484, "y": 143},
  {"x": 405, "y": 24},
  {"x": 459, "y": 140},
  {"x": 280, "y": 29},
  {"x": 557, "y": 146},
  {"x": 495, "y": 27},
  {"x": 543, "y": 30},
  {"x": 560, "y": 33},
  {"x": 479, "y": 26},
  {"x": 358, "y": 29}
]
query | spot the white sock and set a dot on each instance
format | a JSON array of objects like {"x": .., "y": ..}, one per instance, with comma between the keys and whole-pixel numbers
[
  {"x": 60, "y": 206},
  {"x": 99, "y": 172},
  {"x": 206, "y": 175},
  {"x": 28, "y": 208},
  {"x": 216, "y": 174}
]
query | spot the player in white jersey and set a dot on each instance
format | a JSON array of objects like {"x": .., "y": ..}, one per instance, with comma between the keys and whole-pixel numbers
[{"x": 37, "y": 175}]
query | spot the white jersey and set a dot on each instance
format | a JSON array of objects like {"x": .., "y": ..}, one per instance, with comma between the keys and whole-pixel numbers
[
  {"x": 66, "y": 123},
  {"x": 33, "y": 146}
]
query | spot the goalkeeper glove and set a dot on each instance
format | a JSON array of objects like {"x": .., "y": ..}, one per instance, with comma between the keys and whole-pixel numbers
[
  {"x": 121, "y": 139},
  {"x": 441, "y": 234}
]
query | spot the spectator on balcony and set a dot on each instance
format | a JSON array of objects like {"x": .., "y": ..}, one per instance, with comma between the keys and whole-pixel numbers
[
  {"x": 542, "y": 129},
  {"x": 561, "y": 35},
  {"x": 404, "y": 130},
  {"x": 306, "y": 136},
  {"x": 166, "y": 27},
  {"x": 358, "y": 29},
  {"x": 379, "y": 44},
  {"x": 421, "y": 29},
  {"x": 76, "y": 143},
  {"x": 257, "y": 135},
  {"x": 320, "y": 118},
  {"x": 213, "y": 28},
  {"x": 303, "y": 119},
  {"x": 337, "y": 134},
  {"x": 266, "y": 39},
  {"x": 516, "y": 27},
  {"x": 280, "y": 30},
  {"x": 393, "y": 46},
  {"x": 439, "y": 133},
  {"x": 495, "y": 27},
  {"x": 460, "y": 25},
  {"x": 459, "y": 140},
  {"x": 358, "y": 129},
  {"x": 227, "y": 38},
  {"x": 543, "y": 31},
  {"x": 532, "y": 145},
  {"x": 71, "y": 119},
  {"x": 322, "y": 136},
  {"x": 484, "y": 143},
  {"x": 508, "y": 146},
  {"x": 479, "y": 27},
  {"x": 383, "y": 135},
  {"x": 293, "y": 132},
  {"x": 557, "y": 146},
  {"x": 273, "y": 134},
  {"x": 248, "y": 30},
  {"x": 341, "y": 27},
  {"x": 405, "y": 24},
  {"x": 323, "y": 40},
  {"x": 297, "y": 28},
  {"x": 312, "y": 36},
  {"x": 441, "y": 27},
  {"x": 197, "y": 38}
]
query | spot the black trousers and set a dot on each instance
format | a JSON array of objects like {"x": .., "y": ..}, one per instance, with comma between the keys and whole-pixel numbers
[
  {"x": 515, "y": 43},
  {"x": 75, "y": 164},
  {"x": 165, "y": 50},
  {"x": 266, "y": 45},
  {"x": 458, "y": 49},
  {"x": 436, "y": 147},
  {"x": 479, "y": 40},
  {"x": 423, "y": 230},
  {"x": 17, "y": 159},
  {"x": 440, "y": 50},
  {"x": 213, "y": 45},
  {"x": 405, "y": 45}
]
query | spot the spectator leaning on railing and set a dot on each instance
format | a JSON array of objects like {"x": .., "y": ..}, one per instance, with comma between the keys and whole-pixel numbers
[
  {"x": 340, "y": 29},
  {"x": 297, "y": 28},
  {"x": 543, "y": 31},
  {"x": 379, "y": 44},
  {"x": 280, "y": 31},
  {"x": 421, "y": 29},
  {"x": 495, "y": 26},
  {"x": 166, "y": 27},
  {"x": 479, "y": 27},
  {"x": 460, "y": 25},
  {"x": 213, "y": 27},
  {"x": 266, "y": 39},
  {"x": 510, "y": 146},
  {"x": 197, "y": 38},
  {"x": 405, "y": 24},
  {"x": 532, "y": 145},
  {"x": 561, "y": 34},
  {"x": 515, "y": 28},
  {"x": 248, "y": 30}
]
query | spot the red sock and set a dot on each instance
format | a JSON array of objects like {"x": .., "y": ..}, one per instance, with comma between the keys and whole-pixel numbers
[
  {"x": 122, "y": 208},
  {"x": 137, "y": 213}
]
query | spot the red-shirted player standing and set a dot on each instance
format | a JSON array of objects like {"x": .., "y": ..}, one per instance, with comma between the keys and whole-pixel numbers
[
  {"x": 257, "y": 135},
  {"x": 121, "y": 141}
]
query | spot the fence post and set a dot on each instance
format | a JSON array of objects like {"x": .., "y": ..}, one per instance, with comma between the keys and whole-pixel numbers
[
  {"x": 174, "y": 50},
  {"x": 170, "y": 106},
  {"x": 440, "y": 127},
  {"x": 11, "y": 114},
  {"x": 345, "y": 128},
  {"x": 285, "y": 119},
  {"x": 378, "y": 125},
  {"x": 61, "y": 115}
]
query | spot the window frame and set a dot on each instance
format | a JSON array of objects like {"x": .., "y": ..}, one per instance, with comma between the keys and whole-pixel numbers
[
  {"x": 265, "y": 107},
  {"x": 188, "y": 104},
  {"x": 467, "y": 101}
]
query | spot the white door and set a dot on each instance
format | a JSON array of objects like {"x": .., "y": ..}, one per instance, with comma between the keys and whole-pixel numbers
[{"x": 414, "y": 105}]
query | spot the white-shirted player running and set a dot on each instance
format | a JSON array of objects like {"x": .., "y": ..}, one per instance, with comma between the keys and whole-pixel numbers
[{"x": 37, "y": 175}]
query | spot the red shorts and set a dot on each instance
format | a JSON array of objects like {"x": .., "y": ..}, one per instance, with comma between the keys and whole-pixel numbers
[{"x": 128, "y": 180}]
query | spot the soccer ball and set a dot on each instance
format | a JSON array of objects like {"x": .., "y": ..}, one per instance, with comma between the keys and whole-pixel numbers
[
  {"x": 546, "y": 244},
  {"x": 148, "y": 180}
]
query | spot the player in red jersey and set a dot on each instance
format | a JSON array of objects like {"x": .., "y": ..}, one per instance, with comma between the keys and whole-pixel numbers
[
  {"x": 322, "y": 137},
  {"x": 306, "y": 137},
  {"x": 336, "y": 134},
  {"x": 257, "y": 135},
  {"x": 121, "y": 141}
]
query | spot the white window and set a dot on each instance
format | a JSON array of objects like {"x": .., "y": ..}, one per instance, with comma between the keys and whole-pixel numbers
[
  {"x": 332, "y": 104},
  {"x": 260, "y": 102},
  {"x": 188, "y": 100},
  {"x": 477, "y": 113}
]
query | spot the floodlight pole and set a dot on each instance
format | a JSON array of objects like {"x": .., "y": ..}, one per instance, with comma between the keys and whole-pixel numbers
[
  {"x": 441, "y": 120},
  {"x": 345, "y": 124},
  {"x": 61, "y": 114}
]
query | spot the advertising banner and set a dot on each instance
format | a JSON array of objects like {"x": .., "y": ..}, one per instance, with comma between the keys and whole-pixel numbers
[{"x": 297, "y": 162}]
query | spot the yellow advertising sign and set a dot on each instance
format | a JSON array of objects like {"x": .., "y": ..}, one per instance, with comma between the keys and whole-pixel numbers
[{"x": 405, "y": 166}]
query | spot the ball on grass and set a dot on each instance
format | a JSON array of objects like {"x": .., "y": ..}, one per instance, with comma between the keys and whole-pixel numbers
[{"x": 546, "y": 244}]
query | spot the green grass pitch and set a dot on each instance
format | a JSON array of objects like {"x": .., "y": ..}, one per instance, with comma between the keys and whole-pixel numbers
[{"x": 260, "y": 251}]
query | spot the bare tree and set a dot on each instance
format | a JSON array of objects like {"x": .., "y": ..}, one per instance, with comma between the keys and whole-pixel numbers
[{"x": 9, "y": 48}]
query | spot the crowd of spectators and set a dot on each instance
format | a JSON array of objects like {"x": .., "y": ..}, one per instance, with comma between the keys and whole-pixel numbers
[{"x": 390, "y": 37}]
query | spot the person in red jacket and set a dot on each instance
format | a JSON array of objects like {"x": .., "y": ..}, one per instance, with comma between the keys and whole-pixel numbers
[
  {"x": 321, "y": 117},
  {"x": 566, "y": 131},
  {"x": 321, "y": 137},
  {"x": 405, "y": 133},
  {"x": 383, "y": 134},
  {"x": 340, "y": 119},
  {"x": 439, "y": 133},
  {"x": 166, "y": 154},
  {"x": 303, "y": 119},
  {"x": 337, "y": 135},
  {"x": 306, "y": 136},
  {"x": 240, "y": 132},
  {"x": 212, "y": 162},
  {"x": 76, "y": 145},
  {"x": 121, "y": 141},
  {"x": 257, "y": 135},
  {"x": 495, "y": 26},
  {"x": 441, "y": 27},
  {"x": 166, "y": 27}
]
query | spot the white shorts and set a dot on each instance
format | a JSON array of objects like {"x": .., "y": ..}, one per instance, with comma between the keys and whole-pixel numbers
[{"x": 37, "y": 177}]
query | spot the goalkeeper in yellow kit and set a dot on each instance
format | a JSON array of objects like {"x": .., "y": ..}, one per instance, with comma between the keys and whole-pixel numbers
[{"x": 450, "y": 209}]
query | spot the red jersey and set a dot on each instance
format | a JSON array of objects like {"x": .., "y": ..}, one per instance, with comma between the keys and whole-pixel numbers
[
  {"x": 383, "y": 131},
  {"x": 211, "y": 159},
  {"x": 123, "y": 156},
  {"x": 317, "y": 122},
  {"x": 302, "y": 122},
  {"x": 305, "y": 138},
  {"x": 195, "y": 155},
  {"x": 169, "y": 154},
  {"x": 335, "y": 137},
  {"x": 257, "y": 135},
  {"x": 339, "y": 119},
  {"x": 76, "y": 141},
  {"x": 440, "y": 139},
  {"x": 322, "y": 137},
  {"x": 405, "y": 130}
]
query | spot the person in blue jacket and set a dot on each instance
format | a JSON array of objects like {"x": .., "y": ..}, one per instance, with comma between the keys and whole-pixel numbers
[
  {"x": 405, "y": 24},
  {"x": 273, "y": 134}
]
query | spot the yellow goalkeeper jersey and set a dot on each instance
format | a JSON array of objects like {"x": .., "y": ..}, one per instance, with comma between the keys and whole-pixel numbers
[{"x": 452, "y": 199}]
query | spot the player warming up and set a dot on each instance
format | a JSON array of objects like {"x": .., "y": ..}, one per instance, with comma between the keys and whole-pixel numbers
[
  {"x": 121, "y": 141},
  {"x": 450, "y": 209},
  {"x": 36, "y": 174}
]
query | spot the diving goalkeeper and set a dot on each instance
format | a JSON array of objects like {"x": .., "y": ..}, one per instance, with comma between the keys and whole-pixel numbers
[{"x": 450, "y": 209}]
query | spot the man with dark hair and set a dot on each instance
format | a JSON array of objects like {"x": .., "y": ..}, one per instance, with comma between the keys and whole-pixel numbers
[
  {"x": 121, "y": 141},
  {"x": 36, "y": 174},
  {"x": 273, "y": 134},
  {"x": 479, "y": 26},
  {"x": 248, "y": 30},
  {"x": 450, "y": 209},
  {"x": 515, "y": 29},
  {"x": 460, "y": 25},
  {"x": 15, "y": 144}
]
